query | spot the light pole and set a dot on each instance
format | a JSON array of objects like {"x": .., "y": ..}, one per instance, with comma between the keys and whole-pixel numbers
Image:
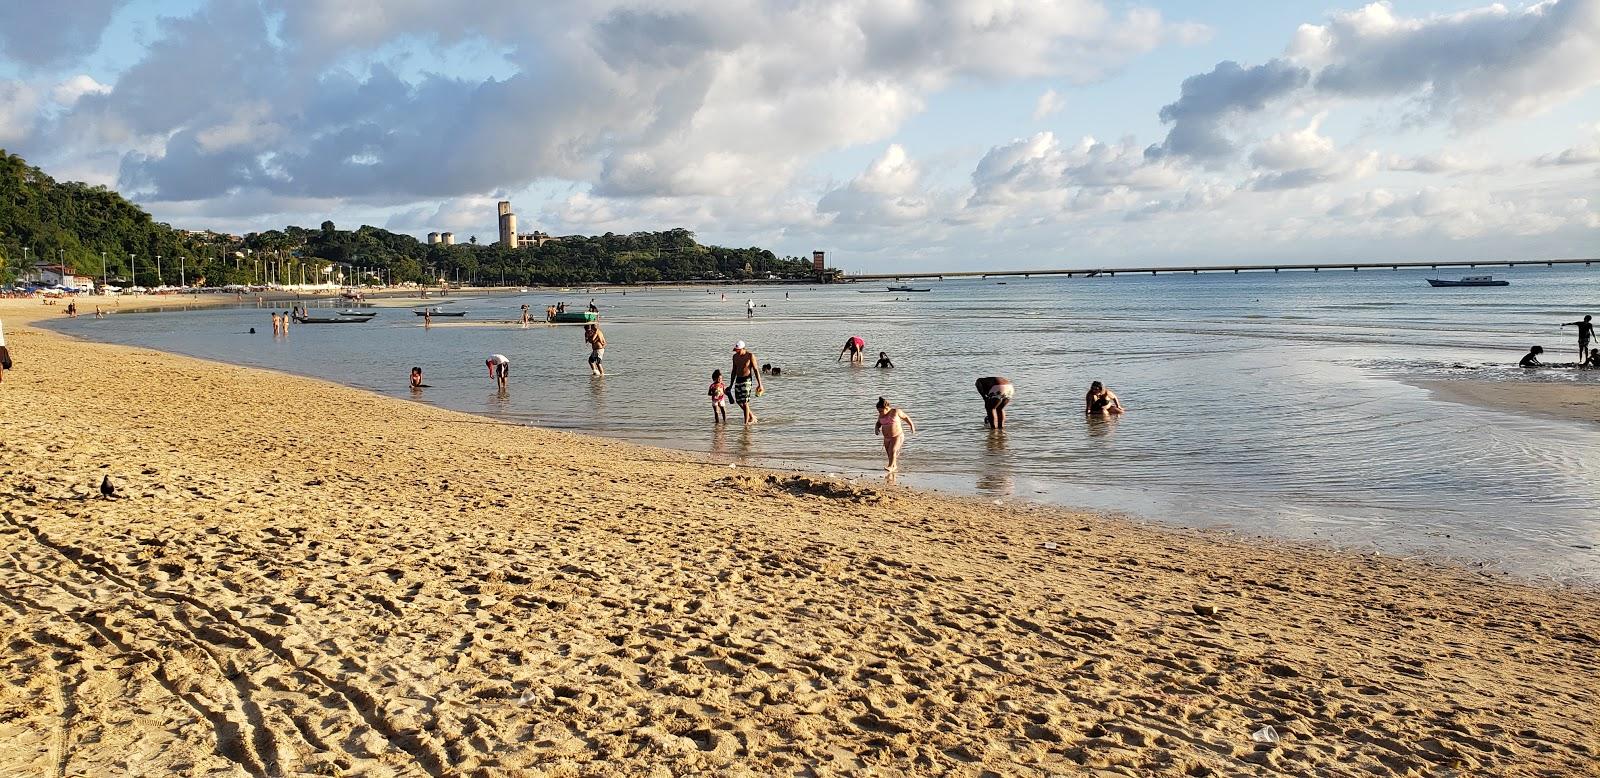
[
  {"x": 133, "y": 270},
  {"x": 103, "y": 283},
  {"x": 181, "y": 262},
  {"x": 159, "y": 282}
]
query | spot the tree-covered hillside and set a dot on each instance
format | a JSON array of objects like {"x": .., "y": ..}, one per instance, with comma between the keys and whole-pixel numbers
[{"x": 42, "y": 219}]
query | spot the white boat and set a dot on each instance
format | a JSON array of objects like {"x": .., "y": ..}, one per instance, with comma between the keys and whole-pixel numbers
[{"x": 1468, "y": 281}]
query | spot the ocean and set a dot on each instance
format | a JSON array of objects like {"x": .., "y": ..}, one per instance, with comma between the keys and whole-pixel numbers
[{"x": 1278, "y": 404}]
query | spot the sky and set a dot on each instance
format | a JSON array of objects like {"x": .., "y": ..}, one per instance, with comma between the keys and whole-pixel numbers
[{"x": 896, "y": 135}]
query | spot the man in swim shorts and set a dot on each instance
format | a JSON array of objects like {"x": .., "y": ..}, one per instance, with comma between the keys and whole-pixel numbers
[
  {"x": 996, "y": 393},
  {"x": 499, "y": 369},
  {"x": 1585, "y": 334},
  {"x": 597, "y": 350},
  {"x": 745, "y": 377}
]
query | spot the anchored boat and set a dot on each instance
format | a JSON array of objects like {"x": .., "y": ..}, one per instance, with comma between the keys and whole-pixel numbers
[{"x": 1468, "y": 281}]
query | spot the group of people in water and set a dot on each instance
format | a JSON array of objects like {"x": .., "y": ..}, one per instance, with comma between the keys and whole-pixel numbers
[{"x": 1588, "y": 358}]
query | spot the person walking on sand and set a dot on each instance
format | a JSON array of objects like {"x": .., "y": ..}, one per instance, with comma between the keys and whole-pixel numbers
[
  {"x": 853, "y": 346},
  {"x": 597, "y": 349},
  {"x": 1100, "y": 401},
  {"x": 5, "y": 353},
  {"x": 499, "y": 369},
  {"x": 718, "y": 392},
  {"x": 745, "y": 377},
  {"x": 1585, "y": 334},
  {"x": 889, "y": 418},
  {"x": 996, "y": 393},
  {"x": 1531, "y": 359}
]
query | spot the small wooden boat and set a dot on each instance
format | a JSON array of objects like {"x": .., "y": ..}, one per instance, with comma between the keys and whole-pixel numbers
[
  {"x": 908, "y": 289},
  {"x": 437, "y": 312},
  {"x": 575, "y": 317},
  {"x": 1468, "y": 281},
  {"x": 358, "y": 314},
  {"x": 333, "y": 319}
]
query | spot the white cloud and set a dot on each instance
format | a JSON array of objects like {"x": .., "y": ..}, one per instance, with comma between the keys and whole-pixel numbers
[
  {"x": 1471, "y": 68},
  {"x": 1304, "y": 148},
  {"x": 18, "y": 106},
  {"x": 888, "y": 192},
  {"x": 1459, "y": 213},
  {"x": 1586, "y": 152},
  {"x": 1051, "y": 102},
  {"x": 69, "y": 91}
]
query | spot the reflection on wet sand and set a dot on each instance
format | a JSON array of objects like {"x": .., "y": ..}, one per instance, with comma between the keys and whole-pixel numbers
[{"x": 994, "y": 467}]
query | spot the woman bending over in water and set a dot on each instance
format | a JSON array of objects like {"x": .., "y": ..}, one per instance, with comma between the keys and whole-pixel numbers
[{"x": 1101, "y": 400}]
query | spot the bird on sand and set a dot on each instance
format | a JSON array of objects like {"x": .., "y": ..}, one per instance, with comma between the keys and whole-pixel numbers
[{"x": 108, "y": 490}]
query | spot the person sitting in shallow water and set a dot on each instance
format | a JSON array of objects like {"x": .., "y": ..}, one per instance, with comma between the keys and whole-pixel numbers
[
  {"x": 1594, "y": 359},
  {"x": 1531, "y": 359},
  {"x": 1101, "y": 401},
  {"x": 883, "y": 360}
]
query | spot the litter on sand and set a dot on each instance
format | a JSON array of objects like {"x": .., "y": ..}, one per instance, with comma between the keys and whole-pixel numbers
[{"x": 1265, "y": 735}]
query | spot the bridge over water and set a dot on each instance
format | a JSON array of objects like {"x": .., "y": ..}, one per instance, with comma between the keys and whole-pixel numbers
[{"x": 1197, "y": 269}]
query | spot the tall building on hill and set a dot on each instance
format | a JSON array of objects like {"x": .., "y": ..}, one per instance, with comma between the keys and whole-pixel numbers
[
  {"x": 508, "y": 225},
  {"x": 433, "y": 238},
  {"x": 447, "y": 238}
]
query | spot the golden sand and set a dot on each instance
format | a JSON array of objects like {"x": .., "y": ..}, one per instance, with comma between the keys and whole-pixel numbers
[
  {"x": 298, "y": 578},
  {"x": 1580, "y": 401}
]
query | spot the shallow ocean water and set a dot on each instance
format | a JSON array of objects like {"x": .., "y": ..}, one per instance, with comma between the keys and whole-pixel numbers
[{"x": 1264, "y": 403}]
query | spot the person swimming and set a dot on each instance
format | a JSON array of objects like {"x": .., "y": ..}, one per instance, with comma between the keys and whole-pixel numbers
[
  {"x": 1531, "y": 359},
  {"x": 883, "y": 360}
]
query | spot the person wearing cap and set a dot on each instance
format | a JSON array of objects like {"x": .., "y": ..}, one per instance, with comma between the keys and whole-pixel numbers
[{"x": 745, "y": 375}]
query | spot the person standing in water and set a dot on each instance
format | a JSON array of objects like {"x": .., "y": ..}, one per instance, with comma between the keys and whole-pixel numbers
[
  {"x": 749, "y": 309},
  {"x": 1585, "y": 334},
  {"x": 745, "y": 377},
  {"x": 889, "y": 418},
  {"x": 597, "y": 349},
  {"x": 996, "y": 393},
  {"x": 883, "y": 360},
  {"x": 1101, "y": 401},
  {"x": 499, "y": 369},
  {"x": 718, "y": 392},
  {"x": 852, "y": 346},
  {"x": 526, "y": 317}
]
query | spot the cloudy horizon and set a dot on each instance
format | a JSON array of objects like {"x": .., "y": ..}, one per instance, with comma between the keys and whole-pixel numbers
[{"x": 894, "y": 135}]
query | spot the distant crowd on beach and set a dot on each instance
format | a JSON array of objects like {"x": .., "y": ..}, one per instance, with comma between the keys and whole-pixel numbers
[{"x": 1588, "y": 358}]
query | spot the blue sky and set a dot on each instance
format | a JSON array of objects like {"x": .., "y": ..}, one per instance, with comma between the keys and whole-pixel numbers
[{"x": 937, "y": 134}]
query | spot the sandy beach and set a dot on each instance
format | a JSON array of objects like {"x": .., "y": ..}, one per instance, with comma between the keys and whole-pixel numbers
[
  {"x": 1559, "y": 401},
  {"x": 297, "y": 578}
]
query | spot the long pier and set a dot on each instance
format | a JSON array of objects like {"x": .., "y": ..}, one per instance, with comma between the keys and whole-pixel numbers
[{"x": 1198, "y": 269}]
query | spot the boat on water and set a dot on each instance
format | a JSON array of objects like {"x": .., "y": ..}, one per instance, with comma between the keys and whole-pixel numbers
[
  {"x": 437, "y": 312},
  {"x": 1468, "y": 281},
  {"x": 333, "y": 319},
  {"x": 909, "y": 289},
  {"x": 574, "y": 317},
  {"x": 358, "y": 314}
]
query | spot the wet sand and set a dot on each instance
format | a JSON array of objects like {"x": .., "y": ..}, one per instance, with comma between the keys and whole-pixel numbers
[
  {"x": 1561, "y": 401},
  {"x": 300, "y": 578}
]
